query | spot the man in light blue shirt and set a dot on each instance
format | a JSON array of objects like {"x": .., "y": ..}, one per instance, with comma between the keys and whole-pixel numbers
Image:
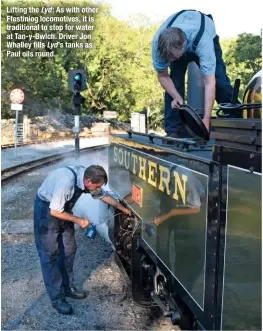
[
  {"x": 185, "y": 37},
  {"x": 54, "y": 227}
]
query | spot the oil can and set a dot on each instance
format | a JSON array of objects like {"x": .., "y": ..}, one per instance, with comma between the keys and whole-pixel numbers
[{"x": 91, "y": 231}]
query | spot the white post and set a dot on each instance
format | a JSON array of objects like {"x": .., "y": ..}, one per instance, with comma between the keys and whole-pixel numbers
[
  {"x": 76, "y": 132},
  {"x": 16, "y": 128},
  {"x": 77, "y": 121}
]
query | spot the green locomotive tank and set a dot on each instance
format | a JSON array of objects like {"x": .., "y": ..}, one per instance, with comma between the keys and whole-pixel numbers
[{"x": 193, "y": 243}]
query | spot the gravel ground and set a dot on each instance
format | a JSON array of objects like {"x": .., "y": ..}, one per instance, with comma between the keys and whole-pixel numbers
[
  {"x": 109, "y": 305},
  {"x": 25, "y": 304}
]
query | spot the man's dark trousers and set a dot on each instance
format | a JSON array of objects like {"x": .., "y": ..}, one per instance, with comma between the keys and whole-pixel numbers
[
  {"x": 56, "y": 246},
  {"x": 178, "y": 68}
]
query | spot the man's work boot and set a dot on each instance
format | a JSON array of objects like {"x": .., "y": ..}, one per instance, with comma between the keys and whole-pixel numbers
[
  {"x": 73, "y": 293},
  {"x": 62, "y": 307}
]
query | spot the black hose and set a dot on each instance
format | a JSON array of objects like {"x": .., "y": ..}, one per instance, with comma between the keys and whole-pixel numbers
[{"x": 236, "y": 107}]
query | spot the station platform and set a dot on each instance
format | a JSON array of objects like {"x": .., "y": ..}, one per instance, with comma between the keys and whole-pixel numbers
[{"x": 11, "y": 157}]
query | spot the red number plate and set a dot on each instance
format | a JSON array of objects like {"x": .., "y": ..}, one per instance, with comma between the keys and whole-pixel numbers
[{"x": 137, "y": 194}]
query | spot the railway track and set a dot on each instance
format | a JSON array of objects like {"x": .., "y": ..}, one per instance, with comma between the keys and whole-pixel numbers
[
  {"x": 11, "y": 172},
  {"x": 35, "y": 142},
  {"x": 95, "y": 264}
]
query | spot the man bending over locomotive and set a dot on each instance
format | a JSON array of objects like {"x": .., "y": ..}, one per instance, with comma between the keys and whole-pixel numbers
[
  {"x": 54, "y": 227},
  {"x": 185, "y": 37}
]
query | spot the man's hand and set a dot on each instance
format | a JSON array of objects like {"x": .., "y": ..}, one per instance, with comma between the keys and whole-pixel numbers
[
  {"x": 127, "y": 211},
  {"x": 206, "y": 121},
  {"x": 177, "y": 102},
  {"x": 168, "y": 85},
  {"x": 84, "y": 223},
  {"x": 157, "y": 220},
  {"x": 113, "y": 202},
  {"x": 68, "y": 217}
]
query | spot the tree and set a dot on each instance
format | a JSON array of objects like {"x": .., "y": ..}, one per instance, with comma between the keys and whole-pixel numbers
[
  {"x": 120, "y": 75},
  {"x": 242, "y": 56}
]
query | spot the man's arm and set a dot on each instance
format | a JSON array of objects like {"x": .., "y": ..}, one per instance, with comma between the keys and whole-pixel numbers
[
  {"x": 175, "y": 212},
  {"x": 111, "y": 201},
  {"x": 210, "y": 87},
  {"x": 169, "y": 87},
  {"x": 82, "y": 222}
]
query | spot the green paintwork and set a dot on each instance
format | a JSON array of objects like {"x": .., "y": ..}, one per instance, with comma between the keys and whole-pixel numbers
[{"x": 242, "y": 276}]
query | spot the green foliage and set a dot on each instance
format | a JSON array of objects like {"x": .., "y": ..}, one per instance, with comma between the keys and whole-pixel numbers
[
  {"x": 242, "y": 57},
  {"x": 248, "y": 51},
  {"x": 120, "y": 74}
]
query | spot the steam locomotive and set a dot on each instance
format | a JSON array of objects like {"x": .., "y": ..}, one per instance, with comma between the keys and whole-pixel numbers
[{"x": 193, "y": 243}]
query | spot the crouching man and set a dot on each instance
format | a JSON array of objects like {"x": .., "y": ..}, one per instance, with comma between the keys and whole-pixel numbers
[{"x": 54, "y": 227}]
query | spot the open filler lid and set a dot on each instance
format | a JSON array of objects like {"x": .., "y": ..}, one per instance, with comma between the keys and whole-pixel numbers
[{"x": 193, "y": 122}]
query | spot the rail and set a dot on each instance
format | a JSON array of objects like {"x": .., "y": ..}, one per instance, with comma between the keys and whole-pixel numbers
[
  {"x": 11, "y": 172},
  {"x": 41, "y": 141},
  {"x": 151, "y": 136}
]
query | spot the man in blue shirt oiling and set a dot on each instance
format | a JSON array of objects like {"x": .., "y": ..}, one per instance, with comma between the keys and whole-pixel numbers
[
  {"x": 185, "y": 37},
  {"x": 54, "y": 227}
]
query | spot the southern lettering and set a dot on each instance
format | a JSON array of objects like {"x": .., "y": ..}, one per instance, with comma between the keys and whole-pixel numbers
[{"x": 153, "y": 173}]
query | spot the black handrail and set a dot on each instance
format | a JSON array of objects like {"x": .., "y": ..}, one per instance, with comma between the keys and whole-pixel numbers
[
  {"x": 151, "y": 136},
  {"x": 236, "y": 107}
]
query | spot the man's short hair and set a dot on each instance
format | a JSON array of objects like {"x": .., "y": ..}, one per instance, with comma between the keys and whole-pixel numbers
[
  {"x": 170, "y": 42},
  {"x": 96, "y": 174}
]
